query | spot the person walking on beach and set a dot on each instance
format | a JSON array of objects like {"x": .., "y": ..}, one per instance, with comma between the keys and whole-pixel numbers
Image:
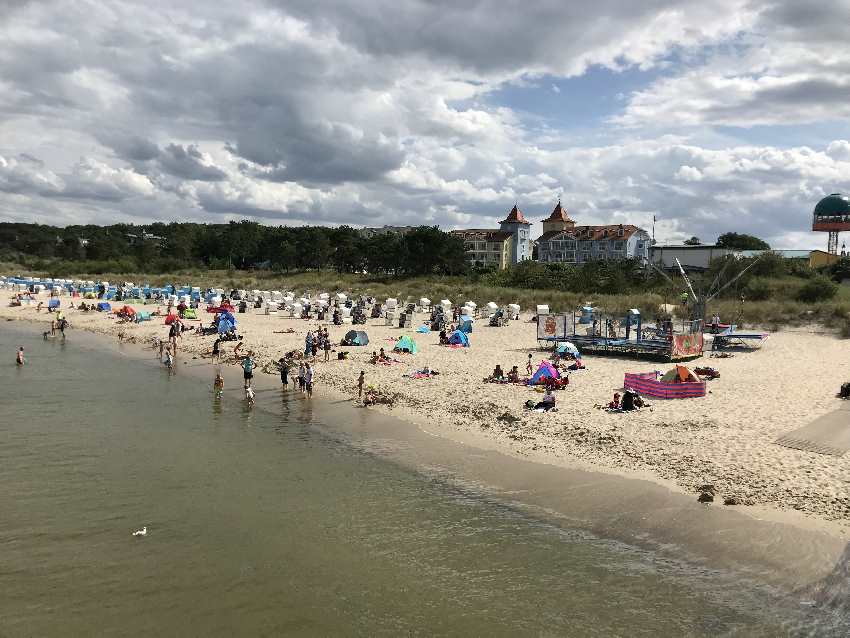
[
  {"x": 327, "y": 345},
  {"x": 309, "y": 377},
  {"x": 173, "y": 333},
  {"x": 248, "y": 368},
  {"x": 283, "y": 366},
  {"x": 528, "y": 367},
  {"x": 360, "y": 381},
  {"x": 19, "y": 357},
  {"x": 301, "y": 376},
  {"x": 216, "y": 351}
]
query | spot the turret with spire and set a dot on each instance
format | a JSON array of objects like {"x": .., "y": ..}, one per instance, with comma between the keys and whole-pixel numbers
[
  {"x": 516, "y": 224},
  {"x": 558, "y": 220}
]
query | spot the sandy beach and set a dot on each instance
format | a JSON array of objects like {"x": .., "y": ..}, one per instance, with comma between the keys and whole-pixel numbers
[{"x": 725, "y": 439}]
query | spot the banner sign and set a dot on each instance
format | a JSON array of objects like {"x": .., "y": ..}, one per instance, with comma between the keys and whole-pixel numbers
[
  {"x": 686, "y": 346},
  {"x": 551, "y": 327}
]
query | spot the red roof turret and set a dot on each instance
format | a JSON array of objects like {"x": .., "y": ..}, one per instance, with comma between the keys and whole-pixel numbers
[
  {"x": 515, "y": 217},
  {"x": 559, "y": 215}
]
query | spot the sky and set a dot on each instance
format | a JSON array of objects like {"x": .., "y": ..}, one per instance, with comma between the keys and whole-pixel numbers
[{"x": 708, "y": 115}]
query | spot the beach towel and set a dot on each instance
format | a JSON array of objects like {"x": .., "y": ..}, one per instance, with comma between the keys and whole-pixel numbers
[{"x": 423, "y": 330}]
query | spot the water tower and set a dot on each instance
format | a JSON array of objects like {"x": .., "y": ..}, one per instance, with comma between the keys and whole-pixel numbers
[{"x": 832, "y": 215}]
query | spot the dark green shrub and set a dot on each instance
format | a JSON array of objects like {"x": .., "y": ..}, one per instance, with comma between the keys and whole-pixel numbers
[
  {"x": 818, "y": 288},
  {"x": 758, "y": 289}
]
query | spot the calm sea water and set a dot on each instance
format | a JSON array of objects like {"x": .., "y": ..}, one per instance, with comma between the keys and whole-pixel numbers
[{"x": 261, "y": 524}]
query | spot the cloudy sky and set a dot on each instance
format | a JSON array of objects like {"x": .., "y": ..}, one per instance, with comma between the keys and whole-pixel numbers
[{"x": 713, "y": 115}]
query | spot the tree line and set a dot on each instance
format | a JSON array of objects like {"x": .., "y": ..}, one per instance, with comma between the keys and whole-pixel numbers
[{"x": 162, "y": 247}]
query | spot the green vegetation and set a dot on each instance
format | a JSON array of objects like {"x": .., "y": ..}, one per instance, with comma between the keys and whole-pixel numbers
[
  {"x": 741, "y": 241},
  {"x": 125, "y": 248},
  {"x": 425, "y": 262}
]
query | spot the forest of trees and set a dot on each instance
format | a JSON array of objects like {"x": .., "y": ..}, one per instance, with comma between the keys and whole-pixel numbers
[{"x": 243, "y": 245}]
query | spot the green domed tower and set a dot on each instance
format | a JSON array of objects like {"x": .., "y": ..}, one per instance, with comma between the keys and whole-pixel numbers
[{"x": 832, "y": 215}]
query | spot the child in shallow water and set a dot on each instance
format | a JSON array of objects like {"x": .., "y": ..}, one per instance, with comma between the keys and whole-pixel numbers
[{"x": 218, "y": 385}]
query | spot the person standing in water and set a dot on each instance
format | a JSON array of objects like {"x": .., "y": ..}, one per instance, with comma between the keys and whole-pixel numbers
[
  {"x": 248, "y": 368},
  {"x": 309, "y": 375},
  {"x": 19, "y": 357},
  {"x": 283, "y": 366},
  {"x": 218, "y": 385},
  {"x": 301, "y": 373}
]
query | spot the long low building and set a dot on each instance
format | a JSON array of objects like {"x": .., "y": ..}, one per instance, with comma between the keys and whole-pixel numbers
[{"x": 696, "y": 257}]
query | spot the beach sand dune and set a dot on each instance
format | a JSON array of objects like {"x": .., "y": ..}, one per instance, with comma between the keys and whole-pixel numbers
[{"x": 725, "y": 439}]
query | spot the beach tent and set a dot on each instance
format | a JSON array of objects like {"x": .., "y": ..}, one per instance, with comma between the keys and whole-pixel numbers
[
  {"x": 566, "y": 347},
  {"x": 142, "y": 316},
  {"x": 459, "y": 338},
  {"x": 104, "y": 307},
  {"x": 190, "y": 313},
  {"x": 679, "y": 374},
  {"x": 226, "y": 323},
  {"x": 53, "y": 303},
  {"x": 465, "y": 324},
  {"x": 127, "y": 311},
  {"x": 405, "y": 344},
  {"x": 356, "y": 338},
  {"x": 228, "y": 316},
  {"x": 544, "y": 370}
]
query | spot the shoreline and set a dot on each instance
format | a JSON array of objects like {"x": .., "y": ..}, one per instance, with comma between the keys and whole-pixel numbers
[
  {"x": 673, "y": 445},
  {"x": 638, "y": 510}
]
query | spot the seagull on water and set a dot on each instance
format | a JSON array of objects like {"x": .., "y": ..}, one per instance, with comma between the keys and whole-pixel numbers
[{"x": 141, "y": 532}]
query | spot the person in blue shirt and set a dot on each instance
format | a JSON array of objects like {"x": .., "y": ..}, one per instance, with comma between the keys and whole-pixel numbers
[{"x": 248, "y": 369}]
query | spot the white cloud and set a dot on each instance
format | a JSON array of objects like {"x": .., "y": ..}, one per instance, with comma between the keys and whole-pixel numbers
[
  {"x": 791, "y": 68},
  {"x": 380, "y": 111}
]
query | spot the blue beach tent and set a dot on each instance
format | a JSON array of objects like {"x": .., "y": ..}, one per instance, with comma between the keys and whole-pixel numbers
[
  {"x": 405, "y": 344},
  {"x": 459, "y": 338}
]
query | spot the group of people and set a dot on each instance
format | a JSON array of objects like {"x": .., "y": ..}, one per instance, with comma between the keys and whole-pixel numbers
[
  {"x": 316, "y": 341},
  {"x": 628, "y": 402},
  {"x": 499, "y": 375}
]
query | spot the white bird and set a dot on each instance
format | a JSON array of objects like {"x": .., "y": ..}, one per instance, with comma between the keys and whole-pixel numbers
[{"x": 141, "y": 532}]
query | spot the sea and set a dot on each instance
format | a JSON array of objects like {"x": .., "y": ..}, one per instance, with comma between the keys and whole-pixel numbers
[{"x": 271, "y": 522}]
